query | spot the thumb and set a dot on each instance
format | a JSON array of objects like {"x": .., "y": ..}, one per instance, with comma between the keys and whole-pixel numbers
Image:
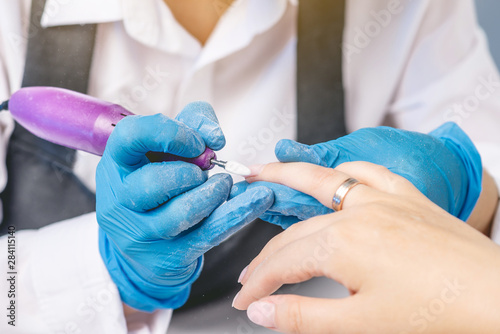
[
  {"x": 297, "y": 314},
  {"x": 291, "y": 151},
  {"x": 134, "y": 136},
  {"x": 200, "y": 116},
  {"x": 238, "y": 189},
  {"x": 324, "y": 154}
]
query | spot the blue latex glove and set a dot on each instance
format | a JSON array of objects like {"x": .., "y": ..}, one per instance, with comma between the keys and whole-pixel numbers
[
  {"x": 158, "y": 219},
  {"x": 444, "y": 165}
]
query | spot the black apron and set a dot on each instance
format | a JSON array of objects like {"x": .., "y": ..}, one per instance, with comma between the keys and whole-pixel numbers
[{"x": 42, "y": 188}]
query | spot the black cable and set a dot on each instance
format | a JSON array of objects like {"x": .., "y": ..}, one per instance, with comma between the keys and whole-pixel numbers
[{"x": 4, "y": 105}]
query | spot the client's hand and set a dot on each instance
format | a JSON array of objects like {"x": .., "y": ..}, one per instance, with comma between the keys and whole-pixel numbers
[
  {"x": 409, "y": 265},
  {"x": 444, "y": 165}
]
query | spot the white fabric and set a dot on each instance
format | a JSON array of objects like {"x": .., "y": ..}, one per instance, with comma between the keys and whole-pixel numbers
[{"x": 410, "y": 64}]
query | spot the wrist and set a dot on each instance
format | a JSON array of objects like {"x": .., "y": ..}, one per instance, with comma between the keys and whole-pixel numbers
[
  {"x": 146, "y": 295},
  {"x": 457, "y": 141},
  {"x": 484, "y": 212}
]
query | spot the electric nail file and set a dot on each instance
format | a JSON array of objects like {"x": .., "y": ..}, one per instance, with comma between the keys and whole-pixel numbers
[{"x": 85, "y": 123}]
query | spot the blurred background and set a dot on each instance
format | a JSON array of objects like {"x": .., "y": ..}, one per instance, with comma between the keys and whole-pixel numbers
[{"x": 487, "y": 12}]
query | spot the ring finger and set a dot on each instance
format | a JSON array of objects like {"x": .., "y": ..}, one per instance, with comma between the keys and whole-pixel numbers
[{"x": 319, "y": 182}]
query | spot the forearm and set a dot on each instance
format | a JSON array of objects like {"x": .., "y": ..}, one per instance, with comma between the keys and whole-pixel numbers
[
  {"x": 484, "y": 211},
  {"x": 128, "y": 311}
]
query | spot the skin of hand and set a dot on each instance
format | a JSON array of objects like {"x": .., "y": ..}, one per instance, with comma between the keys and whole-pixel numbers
[
  {"x": 410, "y": 266},
  {"x": 484, "y": 212}
]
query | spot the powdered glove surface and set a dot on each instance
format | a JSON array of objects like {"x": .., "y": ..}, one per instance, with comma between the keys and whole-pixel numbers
[
  {"x": 158, "y": 219},
  {"x": 444, "y": 165},
  {"x": 290, "y": 206}
]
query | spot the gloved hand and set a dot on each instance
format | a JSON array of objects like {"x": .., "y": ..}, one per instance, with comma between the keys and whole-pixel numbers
[
  {"x": 444, "y": 165},
  {"x": 158, "y": 219}
]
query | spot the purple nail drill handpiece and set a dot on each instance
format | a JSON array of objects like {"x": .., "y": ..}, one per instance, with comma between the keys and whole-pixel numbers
[{"x": 79, "y": 121}]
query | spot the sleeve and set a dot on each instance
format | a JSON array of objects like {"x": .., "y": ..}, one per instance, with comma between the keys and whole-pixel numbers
[
  {"x": 11, "y": 55},
  {"x": 449, "y": 75},
  {"x": 60, "y": 285}
]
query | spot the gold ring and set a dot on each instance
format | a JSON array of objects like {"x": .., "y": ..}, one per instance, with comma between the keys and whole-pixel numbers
[{"x": 338, "y": 198}]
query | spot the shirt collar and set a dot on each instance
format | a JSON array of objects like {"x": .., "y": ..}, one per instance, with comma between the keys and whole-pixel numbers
[
  {"x": 81, "y": 12},
  {"x": 89, "y": 11},
  {"x": 152, "y": 23},
  {"x": 241, "y": 23},
  {"x": 148, "y": 21}
]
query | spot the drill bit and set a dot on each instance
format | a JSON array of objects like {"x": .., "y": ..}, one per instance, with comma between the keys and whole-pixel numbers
[{"x": 232, "y": 167}]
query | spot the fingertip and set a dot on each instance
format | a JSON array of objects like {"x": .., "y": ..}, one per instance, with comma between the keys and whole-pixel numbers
[
  {"x": 199, "y": 108},
  {"x": 229, "y": 218},
  {"x": 238, "y": 189},
  {"x": 224, "y": 176},
  {"x": 242, "y": 276},
  {"x": 216, "y": 140},
  {"x": 224, "y": 182},
  {"x": 252, "y": 203},
  {"x": 284, "y": 149},
  {"x": 298, "y": 314},
  {"x": 201, "y": 117},
  {"x": 291, "y": 151},
  {"x": 191, "y": 207},
  {"x": 263, "y": 196},
  {"x": 262, "y": 313},
  {"x": 190, "y": 169},
  {"x": 185, "y": 143}
]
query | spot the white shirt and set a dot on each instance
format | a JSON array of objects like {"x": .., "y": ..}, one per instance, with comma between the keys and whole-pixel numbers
[{"x": 409, "y": 64}]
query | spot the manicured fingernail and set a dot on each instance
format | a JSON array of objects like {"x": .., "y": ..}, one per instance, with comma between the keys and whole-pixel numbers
[
  {"x": 243, "y": 273},
  {"x": 234, "y": 299},
  {"x": 262, "y": 314},
  {"x": 255, "y": 170}
]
